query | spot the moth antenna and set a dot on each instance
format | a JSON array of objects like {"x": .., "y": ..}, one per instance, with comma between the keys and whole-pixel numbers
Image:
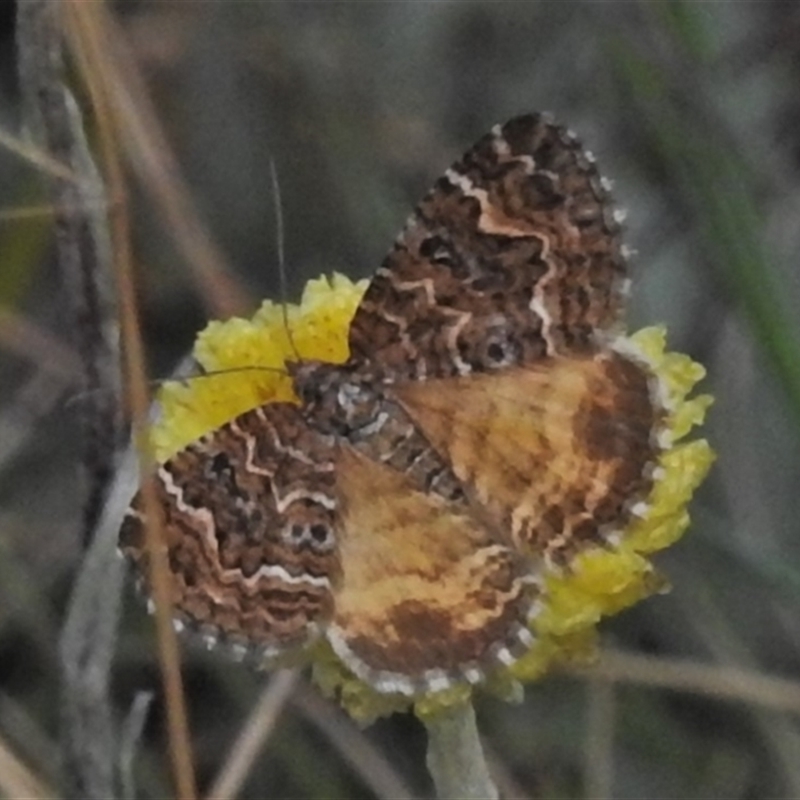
[
  {"x": 212, "y": 373},
  {"x": 157, "y": 383},
  {"x": 279, "y": 237}
]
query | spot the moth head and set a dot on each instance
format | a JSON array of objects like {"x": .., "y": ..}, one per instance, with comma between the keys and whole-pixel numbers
[{"x": 312, "y": 380}]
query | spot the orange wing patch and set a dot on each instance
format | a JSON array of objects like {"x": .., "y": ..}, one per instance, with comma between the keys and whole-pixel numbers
[
  {"x": 557, "y": 453},
  {"x": 429, "y": 597}
]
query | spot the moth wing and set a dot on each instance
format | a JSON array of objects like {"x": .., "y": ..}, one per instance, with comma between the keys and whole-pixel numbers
[
  {"x": 429, "y": 596},
  {"x": 249, "y": 514},
  {"x": 556, "y": 454},
  {"x": 514, "y": 255}
]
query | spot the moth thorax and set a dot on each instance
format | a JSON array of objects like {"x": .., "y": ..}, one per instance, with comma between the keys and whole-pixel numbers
[{"x": 339, "y": 399}]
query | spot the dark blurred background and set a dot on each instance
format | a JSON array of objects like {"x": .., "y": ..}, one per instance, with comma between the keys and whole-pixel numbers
[{"x": 693, "y": 108}]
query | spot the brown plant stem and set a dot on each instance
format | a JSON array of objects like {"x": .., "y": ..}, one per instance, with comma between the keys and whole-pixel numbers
[{"x": 88, "y": 37}]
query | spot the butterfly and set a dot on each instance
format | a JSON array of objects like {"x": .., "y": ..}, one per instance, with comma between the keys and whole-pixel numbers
[{"x": 486, "y": 428}]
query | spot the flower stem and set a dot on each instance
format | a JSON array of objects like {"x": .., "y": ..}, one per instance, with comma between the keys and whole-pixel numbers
[{"x": 455, "y": 756}]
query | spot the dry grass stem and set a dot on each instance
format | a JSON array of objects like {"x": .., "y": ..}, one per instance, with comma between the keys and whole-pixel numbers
[
  {"x": 83, "y": 260},
  {"x": 507, "y": 785},
  {"x": 725, "y": 683},
  {"x": 38, "y": 157},
  {"x": 18, "y": 781},
  {"x": 45, "y": 211},
  {"x": 81, "y": 237},
  {"x": 26, "y": 736},
  {"x": 24, "y": 338},
  {"x": 30, "y": 404},
  {"x": 91, "y": 50},
  {"x": 58, "y": 368},
  {"x": 353, "y": 746},
  {"x": 151, "y": 157},
  {"x": 254, "y": 736},
  {"x": 725, "y": 643},
  {"x": 130, "y": 738}
]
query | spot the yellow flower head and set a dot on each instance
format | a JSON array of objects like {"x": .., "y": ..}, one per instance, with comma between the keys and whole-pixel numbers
[{"x": 245, "y": 359}]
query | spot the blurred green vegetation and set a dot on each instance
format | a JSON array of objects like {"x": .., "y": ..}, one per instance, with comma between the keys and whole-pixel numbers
[{"x": 692, "y": 107}]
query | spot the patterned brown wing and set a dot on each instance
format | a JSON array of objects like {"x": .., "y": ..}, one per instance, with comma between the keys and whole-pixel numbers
[
  {"x": 557, "y": 454},
  {"x": 513, "y": 255},
  {"x": 249, "y": 524},
  {"x": 430, "y": 597}
]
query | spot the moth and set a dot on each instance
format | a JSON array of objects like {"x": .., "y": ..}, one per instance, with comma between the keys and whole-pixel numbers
[{"x": 487, "y": 427}]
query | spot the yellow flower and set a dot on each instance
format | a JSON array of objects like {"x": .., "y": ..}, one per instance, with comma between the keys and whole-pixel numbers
[{"x": 247, "y": 358}]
